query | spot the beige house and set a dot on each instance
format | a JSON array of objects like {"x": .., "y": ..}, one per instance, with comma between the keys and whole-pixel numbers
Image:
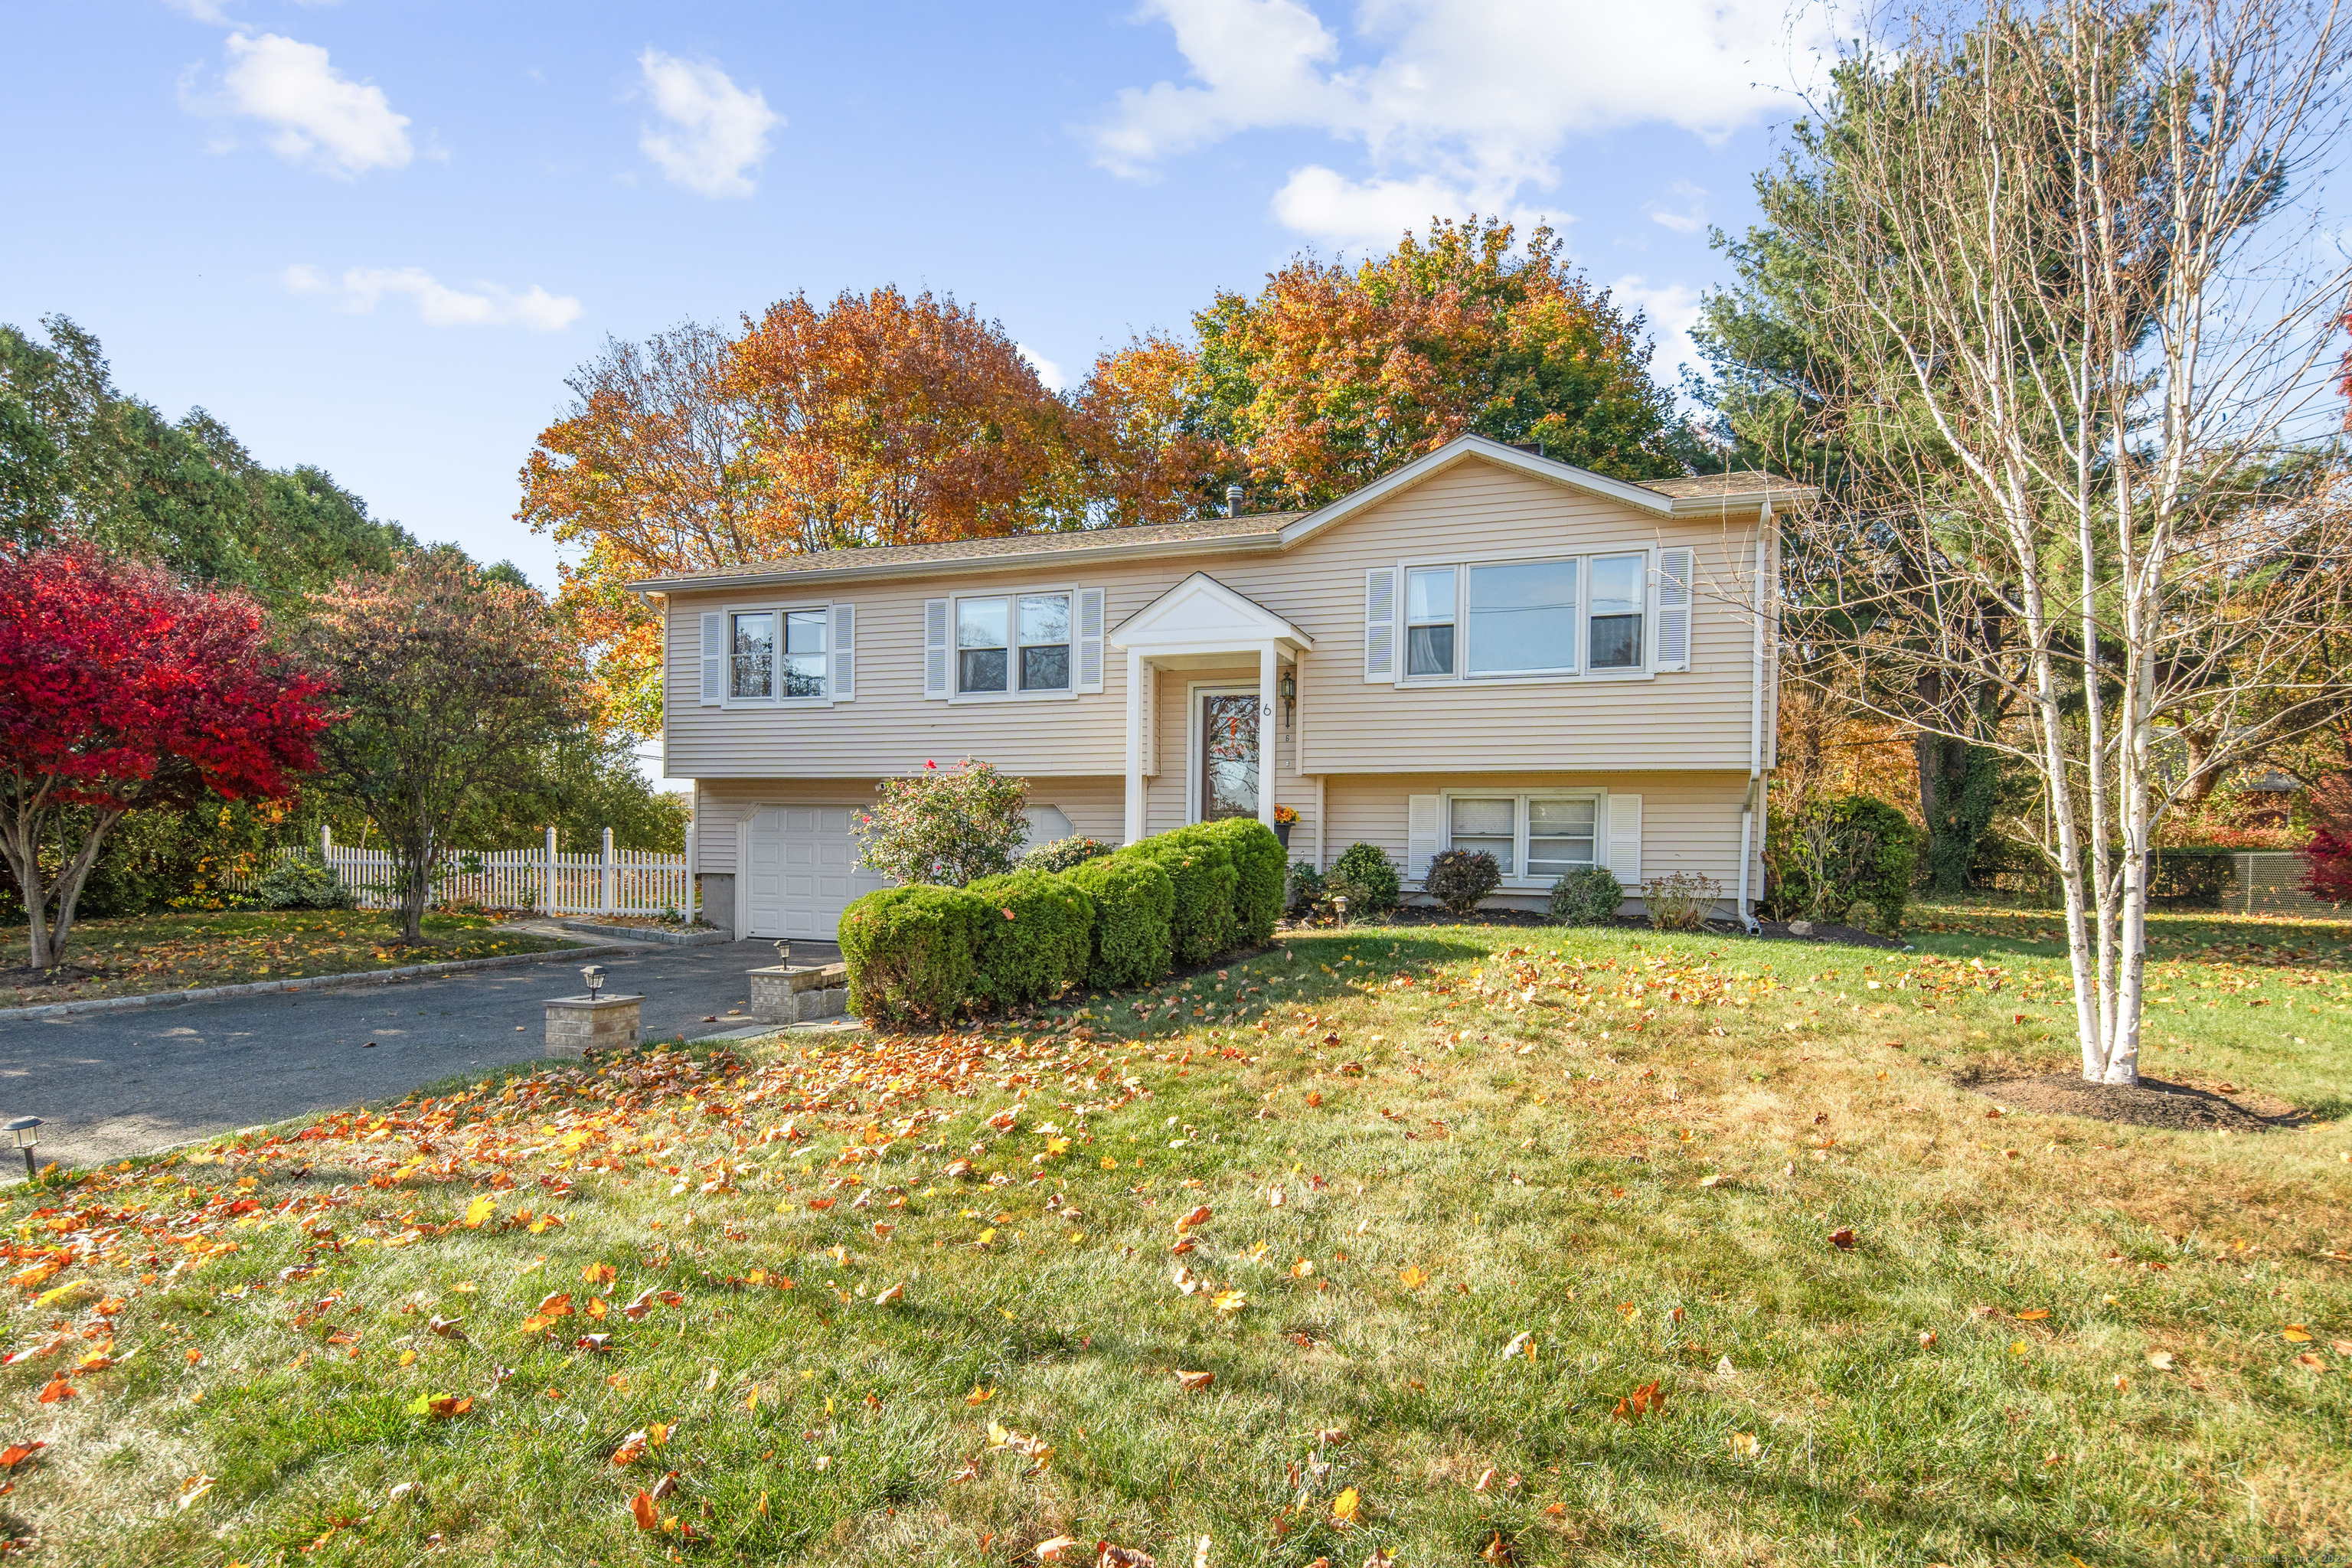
[{"x": 1483, "y": 649}]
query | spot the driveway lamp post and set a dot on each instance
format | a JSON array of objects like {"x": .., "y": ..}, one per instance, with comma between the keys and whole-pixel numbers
[
  {"x": 27, "y": 1130},
  {"x": 593, "y": 975}
]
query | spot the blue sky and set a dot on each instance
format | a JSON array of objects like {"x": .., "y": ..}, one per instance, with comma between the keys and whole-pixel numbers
[{"x": 376, "y": 236}]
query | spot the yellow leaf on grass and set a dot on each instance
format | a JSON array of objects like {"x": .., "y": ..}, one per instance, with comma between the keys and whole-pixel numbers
[
  {"x": 479, "y": 1211},
  {"x": 1414, "y": 1278},
  {"x": 1344, "y": 1506},
  {"x": 2295, "y": 1334},
  {"x": 598, "y": 1274}
]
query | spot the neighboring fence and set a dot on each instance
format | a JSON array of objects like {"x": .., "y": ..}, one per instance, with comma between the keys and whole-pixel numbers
[
  {"x": 2235, "y": 881},
  {"x": 609, "y": 882},
  {"x": 2269, "y": 882}
]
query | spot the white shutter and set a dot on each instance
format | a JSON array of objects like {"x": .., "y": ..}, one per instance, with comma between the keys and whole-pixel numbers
[
  {"x": 1625, "y": 838},
  {"x": 1379, "y": 624},
  {"x": 714, "y": 659},
  {"x": 1424, "y": 830},
  {"x": 935, "y": 648},
  {"x": 1670, "y": 609},
  {"x": 842, "y": 683},
  {"x": 1090, "y": 640}
]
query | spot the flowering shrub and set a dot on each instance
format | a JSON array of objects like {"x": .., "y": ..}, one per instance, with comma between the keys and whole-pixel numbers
[
  {"x": 1064, "y": 853},
  {"x": 946, "y": 827}
]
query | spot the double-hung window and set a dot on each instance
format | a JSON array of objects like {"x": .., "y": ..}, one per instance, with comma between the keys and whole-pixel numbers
[
  {"x": 1014, "y": 642},
  {"x": 1618, "y": 592},
  {"x": 1430, "y": 611},
  {"x": 1500, "y": 620},
  {"x": 1533, "y": 837},
  {"x": 773, "y": 653}
]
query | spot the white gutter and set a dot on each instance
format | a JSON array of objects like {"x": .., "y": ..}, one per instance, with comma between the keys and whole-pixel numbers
[{"x": 1755, "y": 722}]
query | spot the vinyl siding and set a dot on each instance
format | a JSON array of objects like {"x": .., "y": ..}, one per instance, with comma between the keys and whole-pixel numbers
[{"x": 1696, "y": 720}]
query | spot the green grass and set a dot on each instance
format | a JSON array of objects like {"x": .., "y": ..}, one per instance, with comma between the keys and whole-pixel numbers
[
  {"x": 177, "y": 951},
  {"x": 1516, "y": 1142}
]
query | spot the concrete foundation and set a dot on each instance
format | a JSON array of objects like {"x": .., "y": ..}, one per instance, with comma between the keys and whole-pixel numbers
[
  {"x": 578, "y": 1025},
  {"x": 800, "y": 993}
]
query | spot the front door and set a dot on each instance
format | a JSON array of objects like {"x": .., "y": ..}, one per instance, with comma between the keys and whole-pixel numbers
[{"x": 1229, "y": 771}]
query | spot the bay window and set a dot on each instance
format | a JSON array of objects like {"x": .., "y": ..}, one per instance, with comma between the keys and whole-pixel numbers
[{"x": 1506, "y": 620}]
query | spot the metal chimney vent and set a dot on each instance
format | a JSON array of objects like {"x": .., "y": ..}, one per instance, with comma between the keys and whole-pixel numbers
[{"x": 1233, "y": 501}]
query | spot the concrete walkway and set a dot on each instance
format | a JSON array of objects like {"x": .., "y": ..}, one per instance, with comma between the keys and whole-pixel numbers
[{"x": 112, "y": 1084}]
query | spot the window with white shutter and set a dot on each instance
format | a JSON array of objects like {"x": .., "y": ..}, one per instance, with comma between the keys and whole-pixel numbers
[
  {"x": 714, "y": 659},
  {"x": 1090, "y": 640},
  {"x": 844, "y": 652},
  {"x": 1379, "y": 624},
  {"x": 1670, "y": 605},
  {"x": 936, "y": 673}
]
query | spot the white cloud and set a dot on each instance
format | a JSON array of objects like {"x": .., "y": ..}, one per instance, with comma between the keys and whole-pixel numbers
[
  {"x": 1478, "y": 95},
  {"x": 319, "y": 117},
  {"x": 1371, "y": 214},
  {"x": 713, "y": 134},
  {"x": 1673, "y": 311},
  {"x": 438, "y": 305},
  {"x": 1047, "y": 371},
  {"x": 1687, "y": 215}
]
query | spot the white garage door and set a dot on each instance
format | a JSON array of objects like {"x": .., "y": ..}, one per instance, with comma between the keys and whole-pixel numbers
[{"x": 803, "y": 871}]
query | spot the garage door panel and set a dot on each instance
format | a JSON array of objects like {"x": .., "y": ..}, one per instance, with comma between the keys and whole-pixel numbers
[{"x": 803, "y": 870}]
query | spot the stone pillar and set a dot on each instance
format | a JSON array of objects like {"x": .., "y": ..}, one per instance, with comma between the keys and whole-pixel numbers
[
  {"x": 798, "y": 992},
  {"x": 578, "y": 1025}
]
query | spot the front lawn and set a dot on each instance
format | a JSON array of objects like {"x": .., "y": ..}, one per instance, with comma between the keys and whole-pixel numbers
[
  {"x": 227, "y": 947},
  {"x": 1426, "y": 1246}
]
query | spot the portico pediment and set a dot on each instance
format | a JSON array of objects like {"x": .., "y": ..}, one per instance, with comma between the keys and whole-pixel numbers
[{"x": 1200, "y": 615}]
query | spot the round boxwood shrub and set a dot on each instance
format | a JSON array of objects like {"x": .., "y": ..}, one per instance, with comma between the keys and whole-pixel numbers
[
  {"x": 1458, "y": 879},
  {"x": 1035, "y": 939},
  {"x": 909, "y": 952},
  {"x": 1131, "y": 939},
  {"x": 1203, "y": 872},
  {"x": 1587, "y": 896},
  {"x": 1366, "y": 879},
  {"x": 1306, "y": 889},
  {"x": 1258, "y": 870}
]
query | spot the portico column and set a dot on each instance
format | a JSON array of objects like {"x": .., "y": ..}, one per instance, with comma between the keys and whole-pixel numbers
[
  {"x": 1265, "y": 734},
  {"x": 1135, "y": 676}
]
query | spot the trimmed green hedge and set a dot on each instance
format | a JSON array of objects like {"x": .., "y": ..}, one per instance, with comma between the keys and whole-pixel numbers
[
  {"x": 1135, "y": 904},
  {"x": 1202, "y": 870},
  {"x": 1258, "y": 864},
  {"x": 1035, "y": 939},
  {"x": 929, "y": 954},
  {"x": 909, "y": 952}
]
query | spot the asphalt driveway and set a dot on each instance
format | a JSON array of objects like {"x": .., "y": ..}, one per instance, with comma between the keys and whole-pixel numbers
[{"x": 117, "y": 1083}]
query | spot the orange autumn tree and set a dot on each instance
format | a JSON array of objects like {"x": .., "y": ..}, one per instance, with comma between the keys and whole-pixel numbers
[
  {"x": 881, "y": 419},
  {"x": 1331, "y": 375},
  {"x": 650, "y": 471}
]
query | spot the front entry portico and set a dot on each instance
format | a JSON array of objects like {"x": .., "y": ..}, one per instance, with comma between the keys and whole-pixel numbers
[{"x": 1200, "y": 624}]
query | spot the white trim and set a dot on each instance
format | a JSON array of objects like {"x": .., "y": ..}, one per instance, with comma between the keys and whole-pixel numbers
[
  {"x": 779, "y": 608},
  {"x": 958, "y": 696},
  {"x": 1251, "y": 623},
  {"x": 1193, "y": 691},
  {"x": 1521, "y": 881}
]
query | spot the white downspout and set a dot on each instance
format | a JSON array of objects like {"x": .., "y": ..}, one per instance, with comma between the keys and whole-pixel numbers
[{"x": 1754, "y": 725}]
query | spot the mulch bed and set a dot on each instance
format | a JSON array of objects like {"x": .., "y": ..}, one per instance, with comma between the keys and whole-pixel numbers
[{"x": 2151, "y": 1103}]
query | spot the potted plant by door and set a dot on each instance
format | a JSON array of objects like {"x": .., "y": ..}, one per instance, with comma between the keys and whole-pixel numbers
[{"x": 1285, "y": 819}]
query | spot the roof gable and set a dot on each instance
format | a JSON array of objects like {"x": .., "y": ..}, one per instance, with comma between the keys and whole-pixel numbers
[{"x": 1198, "y": 611}]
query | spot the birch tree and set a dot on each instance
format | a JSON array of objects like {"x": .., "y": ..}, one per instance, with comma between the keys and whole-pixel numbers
[{"x": 2077, "y": 304}]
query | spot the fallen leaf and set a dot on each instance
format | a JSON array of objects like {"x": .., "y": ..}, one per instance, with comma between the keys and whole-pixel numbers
[
  {"x": 643, "y": 1507},
  {"x": 479, "y": 1211},
  {"x": 598, "y": 1274},
  {"x": 406, "y": 1491},
  {"x": 892, "y": 1297},
  {"x": 631, "y": 1448},
  {"x": 1413, "y": 1278},
  {"x": 15, "y": 1454},
  {"x": 194, "y": 1489},
  {"x": 2295, "y": 1334},
  {"x": 1197, "y": 1217},
  {"x": 1644, "y": 1401},
  {"x": 1843, "y": 1239},
  {"x": 2160, "y": 1360},
  {"x": 1054, "y": 1551},
  {"x": 1229, "y": 1302},
  {"x": 57, "y": 1388},
  {"x": 1743, "y": 1445},
  {"x": 1193, "y": 1382},
  {"x": 1345, "y": 1507},
  {"x": 2035, "y": 1316},
  {"x": 1522, "y": 1343},
  {"x": 1109, "y": 1556},
  {"x": 979, "y": 1395},
  {"x": 446, "y": 1327}
]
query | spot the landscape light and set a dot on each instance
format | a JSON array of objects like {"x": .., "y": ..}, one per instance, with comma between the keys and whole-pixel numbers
[
  {"x": 594, "y": 975},
  {"x": 28, "y": 1132}
]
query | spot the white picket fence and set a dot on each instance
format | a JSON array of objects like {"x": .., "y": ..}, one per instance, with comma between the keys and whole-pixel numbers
[{"x": 608, "y": 882}]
